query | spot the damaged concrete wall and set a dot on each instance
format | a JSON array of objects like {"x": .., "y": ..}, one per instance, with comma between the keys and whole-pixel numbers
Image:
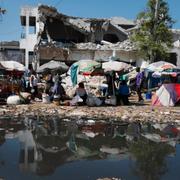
[
  {"x": 52, "y": 53},
  {"x": 74, "y": 54},
  {"x": 112, "y": 33},
  {"x": 58, "y": 31},
  {"x": 61, "y": 27},
  {"x": 96, "y": 31}
]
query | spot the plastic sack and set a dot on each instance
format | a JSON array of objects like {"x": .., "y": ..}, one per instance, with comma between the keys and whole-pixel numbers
[
  {"x": 93, "y": 100},
  {"x": 75, "y": 100},
  {"x": 13, "y": 100},
  {"x": 45, "y": 98}
]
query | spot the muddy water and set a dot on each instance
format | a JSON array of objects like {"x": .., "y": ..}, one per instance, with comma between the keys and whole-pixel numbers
[{"x": 82, "y": 149}]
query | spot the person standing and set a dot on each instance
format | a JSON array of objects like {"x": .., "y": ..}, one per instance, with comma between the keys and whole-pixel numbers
[
  {"x": 139, "y": 83},
  {"x": 58, "y": 90},
  {"x": 124, "y": 93},
  {"x": 33, "y": 84}
]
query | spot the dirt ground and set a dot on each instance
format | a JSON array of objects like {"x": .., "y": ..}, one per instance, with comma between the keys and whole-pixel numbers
[{"x": 135, "y": 111}]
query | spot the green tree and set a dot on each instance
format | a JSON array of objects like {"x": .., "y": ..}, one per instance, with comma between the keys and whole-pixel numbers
[
  {"x": 150, "y": 158},
  {"x": 153, "y": 37}
]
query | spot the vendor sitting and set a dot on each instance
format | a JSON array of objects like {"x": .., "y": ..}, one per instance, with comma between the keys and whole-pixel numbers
[
  {"x": 58, "y": 90},
  {"x": 81, "y": 92},
  {"x": 124, "y": 93}
]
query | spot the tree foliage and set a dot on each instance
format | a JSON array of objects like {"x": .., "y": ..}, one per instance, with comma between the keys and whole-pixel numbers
[
  {"x": 150, "y": 158},
  {"x": 153, "y": 36}
]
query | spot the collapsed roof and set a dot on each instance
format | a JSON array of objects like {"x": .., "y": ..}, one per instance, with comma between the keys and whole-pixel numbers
[{"x": 55, "y": 26}]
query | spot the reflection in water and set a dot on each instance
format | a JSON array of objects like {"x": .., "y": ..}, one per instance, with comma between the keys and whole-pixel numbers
[
  {"x": 50, "y": 143},
  {"x": 28, "y": 151},
  {"x": 150, "y": 158}
]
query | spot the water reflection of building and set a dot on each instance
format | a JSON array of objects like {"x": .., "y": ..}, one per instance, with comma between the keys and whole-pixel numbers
[
  {"x": 9, "y": 128},
  {"x": 28, "y": 151},
  {"x": 54, "y": 143},
  {"x": 2, "y": 136},
  {"x": 62, "y": 142}
]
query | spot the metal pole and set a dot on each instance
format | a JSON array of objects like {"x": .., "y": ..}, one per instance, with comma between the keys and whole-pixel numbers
[{"x": 156, "y": 9}]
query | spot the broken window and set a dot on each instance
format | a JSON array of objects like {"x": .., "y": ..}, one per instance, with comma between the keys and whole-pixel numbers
[
  {"x": 32, "y": 25},
  {"x": 31, "y": 56},
  {"x": 111, "y": 38},
  {"x": 23, "y": 33}
]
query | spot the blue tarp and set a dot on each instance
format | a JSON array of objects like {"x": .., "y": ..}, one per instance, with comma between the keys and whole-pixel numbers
[{"x": 74, "y": 72}]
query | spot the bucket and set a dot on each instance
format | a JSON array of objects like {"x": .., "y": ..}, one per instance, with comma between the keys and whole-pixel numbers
[
  {"x": 45, "y": 99},
  {"x": 148, "y": 95},
  {"x": 56, "y": 100}
]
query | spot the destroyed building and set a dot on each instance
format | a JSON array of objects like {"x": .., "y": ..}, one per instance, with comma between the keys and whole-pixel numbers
[
  {"x": 53, "y": 35},
  {"x": 49, "y": 35}
]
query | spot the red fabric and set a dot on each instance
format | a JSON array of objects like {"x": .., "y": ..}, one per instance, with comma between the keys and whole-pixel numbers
[
  {"x": 86, "y": 73},
  {"x": 175, "y": 131},
  {"x": 155, "y": 100},
  {"x": 177, "y": 89}
]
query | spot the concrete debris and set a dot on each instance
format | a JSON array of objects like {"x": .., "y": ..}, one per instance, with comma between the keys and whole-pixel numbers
[
  {"x": 81, "y": 23},
  {"x": 121, "y": 21},
  {"x": 126, "y": 45}
]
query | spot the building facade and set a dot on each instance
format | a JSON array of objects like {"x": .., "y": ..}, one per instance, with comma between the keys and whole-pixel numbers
[
  {"x": 49, "y": 35},
  {"x": 30, "y": 29},
  {"x": 10, "y": 51}
]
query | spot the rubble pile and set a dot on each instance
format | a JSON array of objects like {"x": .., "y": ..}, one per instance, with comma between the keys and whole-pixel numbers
[
  {"x": 92, "y": 84},
  {"x": 56, "y": 44},
  {"x": 126, "y": 45},
  {"x": 119, "y": 113}
]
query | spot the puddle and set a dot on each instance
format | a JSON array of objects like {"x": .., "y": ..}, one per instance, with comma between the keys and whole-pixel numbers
[{"x": 83, "y": 149}]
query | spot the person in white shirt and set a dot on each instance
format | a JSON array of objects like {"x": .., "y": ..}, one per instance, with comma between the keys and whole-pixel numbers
[{"x": 33, "y": 84}]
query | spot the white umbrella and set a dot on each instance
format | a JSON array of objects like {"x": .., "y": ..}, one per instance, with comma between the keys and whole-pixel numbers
[
  {"x": 53, "y": 65},
  {"x": 114, "y": 66},
  {"x": 13, "y": 65}
]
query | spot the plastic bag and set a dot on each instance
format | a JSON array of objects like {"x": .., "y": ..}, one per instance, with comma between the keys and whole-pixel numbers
[
  {"x": 93, "y": 100},
  {"x": 32, "y": 90},
  {"x": 75, "y": 100},
  {"x": 45, "y": 98}
]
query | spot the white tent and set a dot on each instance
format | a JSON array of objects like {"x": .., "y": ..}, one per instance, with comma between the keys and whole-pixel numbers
[
  {"x": 12, "y": 65},
  {"x": 114, "y": 66},
  {"x": 53, "y": 65}
]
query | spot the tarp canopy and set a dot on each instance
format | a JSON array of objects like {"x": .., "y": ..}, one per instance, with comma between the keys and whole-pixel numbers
[
  {"x": 167, "y": 95},
  {"x": 12, "y": 65},
  {"x": 153, "y": 72},
  {"x": 160, "y": 66},
  {"x": 171, "y": 72},
  {"x": 87, "y": 66},
  {"x": 53, "y": 65},
  {"x": 115, "y": 66},
  {"x": 82, "y": 67}
]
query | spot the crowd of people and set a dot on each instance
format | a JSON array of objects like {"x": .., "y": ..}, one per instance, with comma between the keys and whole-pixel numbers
[{"x": 54, "y": 90}]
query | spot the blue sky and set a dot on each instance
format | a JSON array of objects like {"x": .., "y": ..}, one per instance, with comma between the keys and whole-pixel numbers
[{"x": 10, "y": 27}]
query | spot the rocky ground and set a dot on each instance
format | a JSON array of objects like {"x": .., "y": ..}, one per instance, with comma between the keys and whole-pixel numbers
[{"x": 142, "y": 112}]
